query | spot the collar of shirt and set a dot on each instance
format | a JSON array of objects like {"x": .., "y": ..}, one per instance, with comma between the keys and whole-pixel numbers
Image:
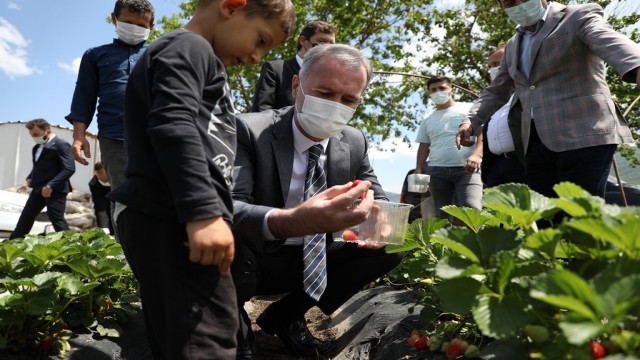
[
  {"x": 521, "y": 30},
  {"x": 299, "y": 60},
  {"x": 124, "y": 44}
]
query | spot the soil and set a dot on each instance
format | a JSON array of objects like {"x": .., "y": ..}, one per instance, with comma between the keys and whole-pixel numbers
[{"x": 269, "y": 347}]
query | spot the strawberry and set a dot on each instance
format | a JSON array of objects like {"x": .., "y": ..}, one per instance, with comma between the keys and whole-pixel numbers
[
  {"x": 349, "y": 235},
  {"x": 421, "y": 343},
  {"x": 597, "y": 350},
  {"x": 434, "y": 343},
  {"x": 46, "y": 344},
  {"x": 536, "y": 333},
  {"x": 456, "y": 348},
  {"x": 412, "y": 339},
  {"x": 355, "y": 183}
]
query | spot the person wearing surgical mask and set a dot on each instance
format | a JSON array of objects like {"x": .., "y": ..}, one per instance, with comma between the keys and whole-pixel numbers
[
  {"x": 501, "y": 158},
  {"x": 102, "y": 79},
  {"x": 53, "y": 166},
  {"x": 570, "y": 126},
  {"x": 450, "y": 183},
  {"x": 276, "y": 151}
]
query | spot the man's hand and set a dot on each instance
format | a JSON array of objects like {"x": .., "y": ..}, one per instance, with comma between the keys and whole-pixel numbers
[
  {"x": 211, "y": 242},
  {"x": 28, "y": 182},
  {"x": 473, "y": 163},
  {"x": 46, "y": 191},
  {"x": 329, "y": 211},
  {"x": 463, "y": 137},
  {"x": 80, "y": 145}
]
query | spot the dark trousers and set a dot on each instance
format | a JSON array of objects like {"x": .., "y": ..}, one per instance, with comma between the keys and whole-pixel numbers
[
  {"x": 504, "y": 169},
  {"x": 35, "y": 203},
  {"x": 190, "y": 310},
  {"x": 279, "y": 271},
  {"x": 587, "y": 167}
]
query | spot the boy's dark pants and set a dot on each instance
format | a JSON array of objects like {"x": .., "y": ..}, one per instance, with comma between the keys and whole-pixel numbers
[{"x": 190, "y": 310}]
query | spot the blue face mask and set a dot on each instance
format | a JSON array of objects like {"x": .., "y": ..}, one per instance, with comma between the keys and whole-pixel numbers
[{"x": 525, "y": 14}]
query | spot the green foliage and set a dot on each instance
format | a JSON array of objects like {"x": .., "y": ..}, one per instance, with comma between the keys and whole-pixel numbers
[
  {"x": 500, "y": 274},
  {"x": 63, "y": 281}
]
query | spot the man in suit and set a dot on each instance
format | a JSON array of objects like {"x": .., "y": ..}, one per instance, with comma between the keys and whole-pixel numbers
[
  {"x": 52, "y": 167},
  {"x": 273, "y": 90},
  {"x": 99, "y": 186},
  {"x": 570, "y": 126},
  {"x": 274, "y": 219}
]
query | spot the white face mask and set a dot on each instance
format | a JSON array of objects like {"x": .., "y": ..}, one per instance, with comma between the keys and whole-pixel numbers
[
  {"x": 322, "y": 118},
  {"x": 40, "y": 139},
  {"x": 131, "y": 34},
  {"x": 440, "y": 97},
  {"x": 493, "y": 72},
  {"x": 527, "y": 13}
]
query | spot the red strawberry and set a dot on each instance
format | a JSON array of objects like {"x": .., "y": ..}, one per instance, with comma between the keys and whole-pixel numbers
[
  {"x": 45, "y": 345},
  {"x": 421, "y": 343},
  {"x": 412, "y": 339},
  {"x": 349, "y": 235},
  {"x": 597, "y": 350},
  {"x": 355, "y": 183},
  {"x": 456, "y": 349}
]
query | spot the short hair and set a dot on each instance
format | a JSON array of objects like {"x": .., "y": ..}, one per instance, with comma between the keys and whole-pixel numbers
[
  {"x": 498, "y": 48},
  {"x": 98, "y": 166},
  {"x": 269, "y": 9},
  {"x": 315, "y": 27},
  {"x": 135, "y": 6},
  {"x": 346, "y": 55},
  {"x": 40, "y": 123},
  {"x": 437, "y": 79}
]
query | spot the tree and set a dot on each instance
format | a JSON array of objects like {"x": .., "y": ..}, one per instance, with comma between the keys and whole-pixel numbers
[{"x": 408, "y": 36}]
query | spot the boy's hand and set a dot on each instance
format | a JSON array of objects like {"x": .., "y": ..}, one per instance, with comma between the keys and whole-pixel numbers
[{"x": 211, "y": 242}]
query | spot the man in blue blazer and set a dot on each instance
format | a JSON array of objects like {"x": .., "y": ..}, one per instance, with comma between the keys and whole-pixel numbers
[
  {"x": 49, "y": 179},
  {"x": 272, "y": 216}
]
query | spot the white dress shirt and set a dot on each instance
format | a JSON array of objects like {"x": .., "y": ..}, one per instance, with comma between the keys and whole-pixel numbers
[
  {"x": 295, "y": 197},
  {"x": 498, "y": 132}
]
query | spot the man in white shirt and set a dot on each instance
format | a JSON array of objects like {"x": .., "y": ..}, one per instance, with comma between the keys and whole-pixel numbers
[{"x": 450, "y": 182}]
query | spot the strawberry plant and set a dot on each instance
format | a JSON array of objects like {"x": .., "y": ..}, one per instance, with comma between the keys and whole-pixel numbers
[
  {"x": 63, "y": 281},
  {"x": 544, "y": 293}
]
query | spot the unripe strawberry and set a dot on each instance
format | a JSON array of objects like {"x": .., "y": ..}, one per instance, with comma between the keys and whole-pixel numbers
[
  {"x": 597, "y": 350},
  {"x": 434, "y": 343},
  {"x": 421, "y": 343},
  {"x": 472, "y": 352},
  {"x": 536, "y": 333},
  {"x": 444, "y": 346}
]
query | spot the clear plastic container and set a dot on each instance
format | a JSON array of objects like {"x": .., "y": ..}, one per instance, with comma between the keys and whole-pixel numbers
[{"x": 387, "y": 224}]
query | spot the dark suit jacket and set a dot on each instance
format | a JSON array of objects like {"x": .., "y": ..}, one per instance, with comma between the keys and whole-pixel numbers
[
  {"x": 54, "y": 166},
  {"x": 264, "y": 163},
  {"x": 273, "y": 90}
]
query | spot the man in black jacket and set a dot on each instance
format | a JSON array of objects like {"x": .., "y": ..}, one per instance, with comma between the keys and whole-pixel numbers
[
  {"x": 273, "y": 90},
  {"x": 49, "y": 179}
]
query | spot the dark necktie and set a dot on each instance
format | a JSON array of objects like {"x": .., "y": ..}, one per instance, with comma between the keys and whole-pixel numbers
[{"x": 314, "y": 246}]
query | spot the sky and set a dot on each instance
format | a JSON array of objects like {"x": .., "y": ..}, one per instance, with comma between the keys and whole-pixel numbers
[{"x": 42, "y": 41}]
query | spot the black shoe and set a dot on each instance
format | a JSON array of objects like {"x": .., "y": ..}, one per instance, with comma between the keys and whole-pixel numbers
[
  {"x": 295, "y": 335},
  {"x": 246, "y": 340}
]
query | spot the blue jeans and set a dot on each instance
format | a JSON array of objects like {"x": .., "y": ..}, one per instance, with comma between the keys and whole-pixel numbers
[{"x": 454, "y": 186}]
